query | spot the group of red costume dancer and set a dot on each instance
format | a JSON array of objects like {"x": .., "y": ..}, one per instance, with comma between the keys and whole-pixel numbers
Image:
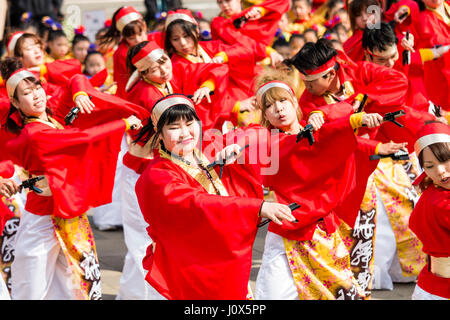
[{"x": 216, "y": 139}]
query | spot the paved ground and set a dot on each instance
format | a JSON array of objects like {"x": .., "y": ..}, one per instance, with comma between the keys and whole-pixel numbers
[{"x": 111, "y": 250}]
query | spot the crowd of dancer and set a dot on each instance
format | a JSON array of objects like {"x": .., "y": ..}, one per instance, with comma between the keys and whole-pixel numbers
[{"x": 325, "y": 122}]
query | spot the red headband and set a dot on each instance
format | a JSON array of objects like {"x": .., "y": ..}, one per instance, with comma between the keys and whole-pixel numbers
[
  {"x": 429, "y": 134},
  {"x": 310, "y": 75},
  {"x": 182, "y": 14},
  {"x": 125, "y": 16}
]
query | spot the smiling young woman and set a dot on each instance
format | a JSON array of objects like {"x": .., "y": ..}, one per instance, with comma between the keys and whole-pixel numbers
[{"x": 55, "y": 220}]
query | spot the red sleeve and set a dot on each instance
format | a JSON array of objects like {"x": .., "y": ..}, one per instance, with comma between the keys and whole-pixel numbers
[
  {"x": 60, "y": 71},
  {"x": 135, "y": 163},
  {"x": 315, "y": 176},
  {"x": 310, "y": 103},
  {"x": 107, "y": 107},
  {"x": 189, "y": 77},
  {"x": 386, "y": 88},
  {"x": 79, "y": 164},
  {"x": 262, "y": 30},
  {"x": 98, "y": 79}
]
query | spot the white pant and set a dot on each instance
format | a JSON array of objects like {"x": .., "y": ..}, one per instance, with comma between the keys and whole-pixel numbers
[
  {"x": 420, "y": 294},
  {"x": 4, "y": 293},
  {"x": 110, "y": 215},
  {"x": 40, "y": 270},
  {"x": 387, "y": 267},
  {"x": 133, "y": 285},
  {"x": 274, "y": 280}
]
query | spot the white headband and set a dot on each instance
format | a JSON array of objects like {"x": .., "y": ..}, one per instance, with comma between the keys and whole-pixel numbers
[
  {"x": 144, "y": 63},
  {"x": 165, "y": 104},
  {"x": 176, "y": 16},
  {"x": 271, "y": 85},
  {"x": 429, "y": 139},
  {"x": 126, "y": 19},
  {"x": 13, "y": 81}
]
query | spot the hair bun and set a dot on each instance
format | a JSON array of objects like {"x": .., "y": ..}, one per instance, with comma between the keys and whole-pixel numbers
[{"x": 8, "y": 66}]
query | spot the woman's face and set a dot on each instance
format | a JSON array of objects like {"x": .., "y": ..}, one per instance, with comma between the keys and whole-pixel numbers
[
  {"x": 281, "y": 114},
  {"x": 181, "y": 41},
  {"x": 159, "y": 72},
  {"x": 137, "y": 38},
  {"x": 31, "y": 99},
  {"x": 439, "y": 172},
  {"x": 80, "y": 50},
  {"x": 181, "y": 136},
  {"x": 366, "y": 17},
  {"x": 32, "y": 54},
  {"x": 229, "y": 7}
]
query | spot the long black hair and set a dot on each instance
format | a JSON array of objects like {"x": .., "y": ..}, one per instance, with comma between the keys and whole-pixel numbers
[{"x": 190, "y": 28}]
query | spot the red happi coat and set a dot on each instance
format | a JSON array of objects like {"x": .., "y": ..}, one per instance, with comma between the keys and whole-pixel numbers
[
  {"x": 203, "y": 241},
  {"x": 79, "y": 162},
  {"x": 262, "y": 30},
  {"x": 434, "y": 31},
  {"x": 430, "y": 221},
  {"x": 411, "y": 23},
  {"x": 387, "y": 91},
  {"x": 322, "y": 179},
  {"x": 241, "y": 63},
  {"x": 327, "y": 179},
  {"x": 186, "y": 81}
]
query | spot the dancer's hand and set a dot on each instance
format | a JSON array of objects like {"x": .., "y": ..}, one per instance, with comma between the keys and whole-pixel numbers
[
  {"x": 201, "y": 93},
  {"x": 84, "y": 103},
  {"x": 134, "y": 122},
  {"x": 372, "y": 120},
  {"x": 316, "y": 120},
  {"x": 392, "y": 147},
  {"x": 276, "y": 212},
  {"x": 8, "y": 187}
]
